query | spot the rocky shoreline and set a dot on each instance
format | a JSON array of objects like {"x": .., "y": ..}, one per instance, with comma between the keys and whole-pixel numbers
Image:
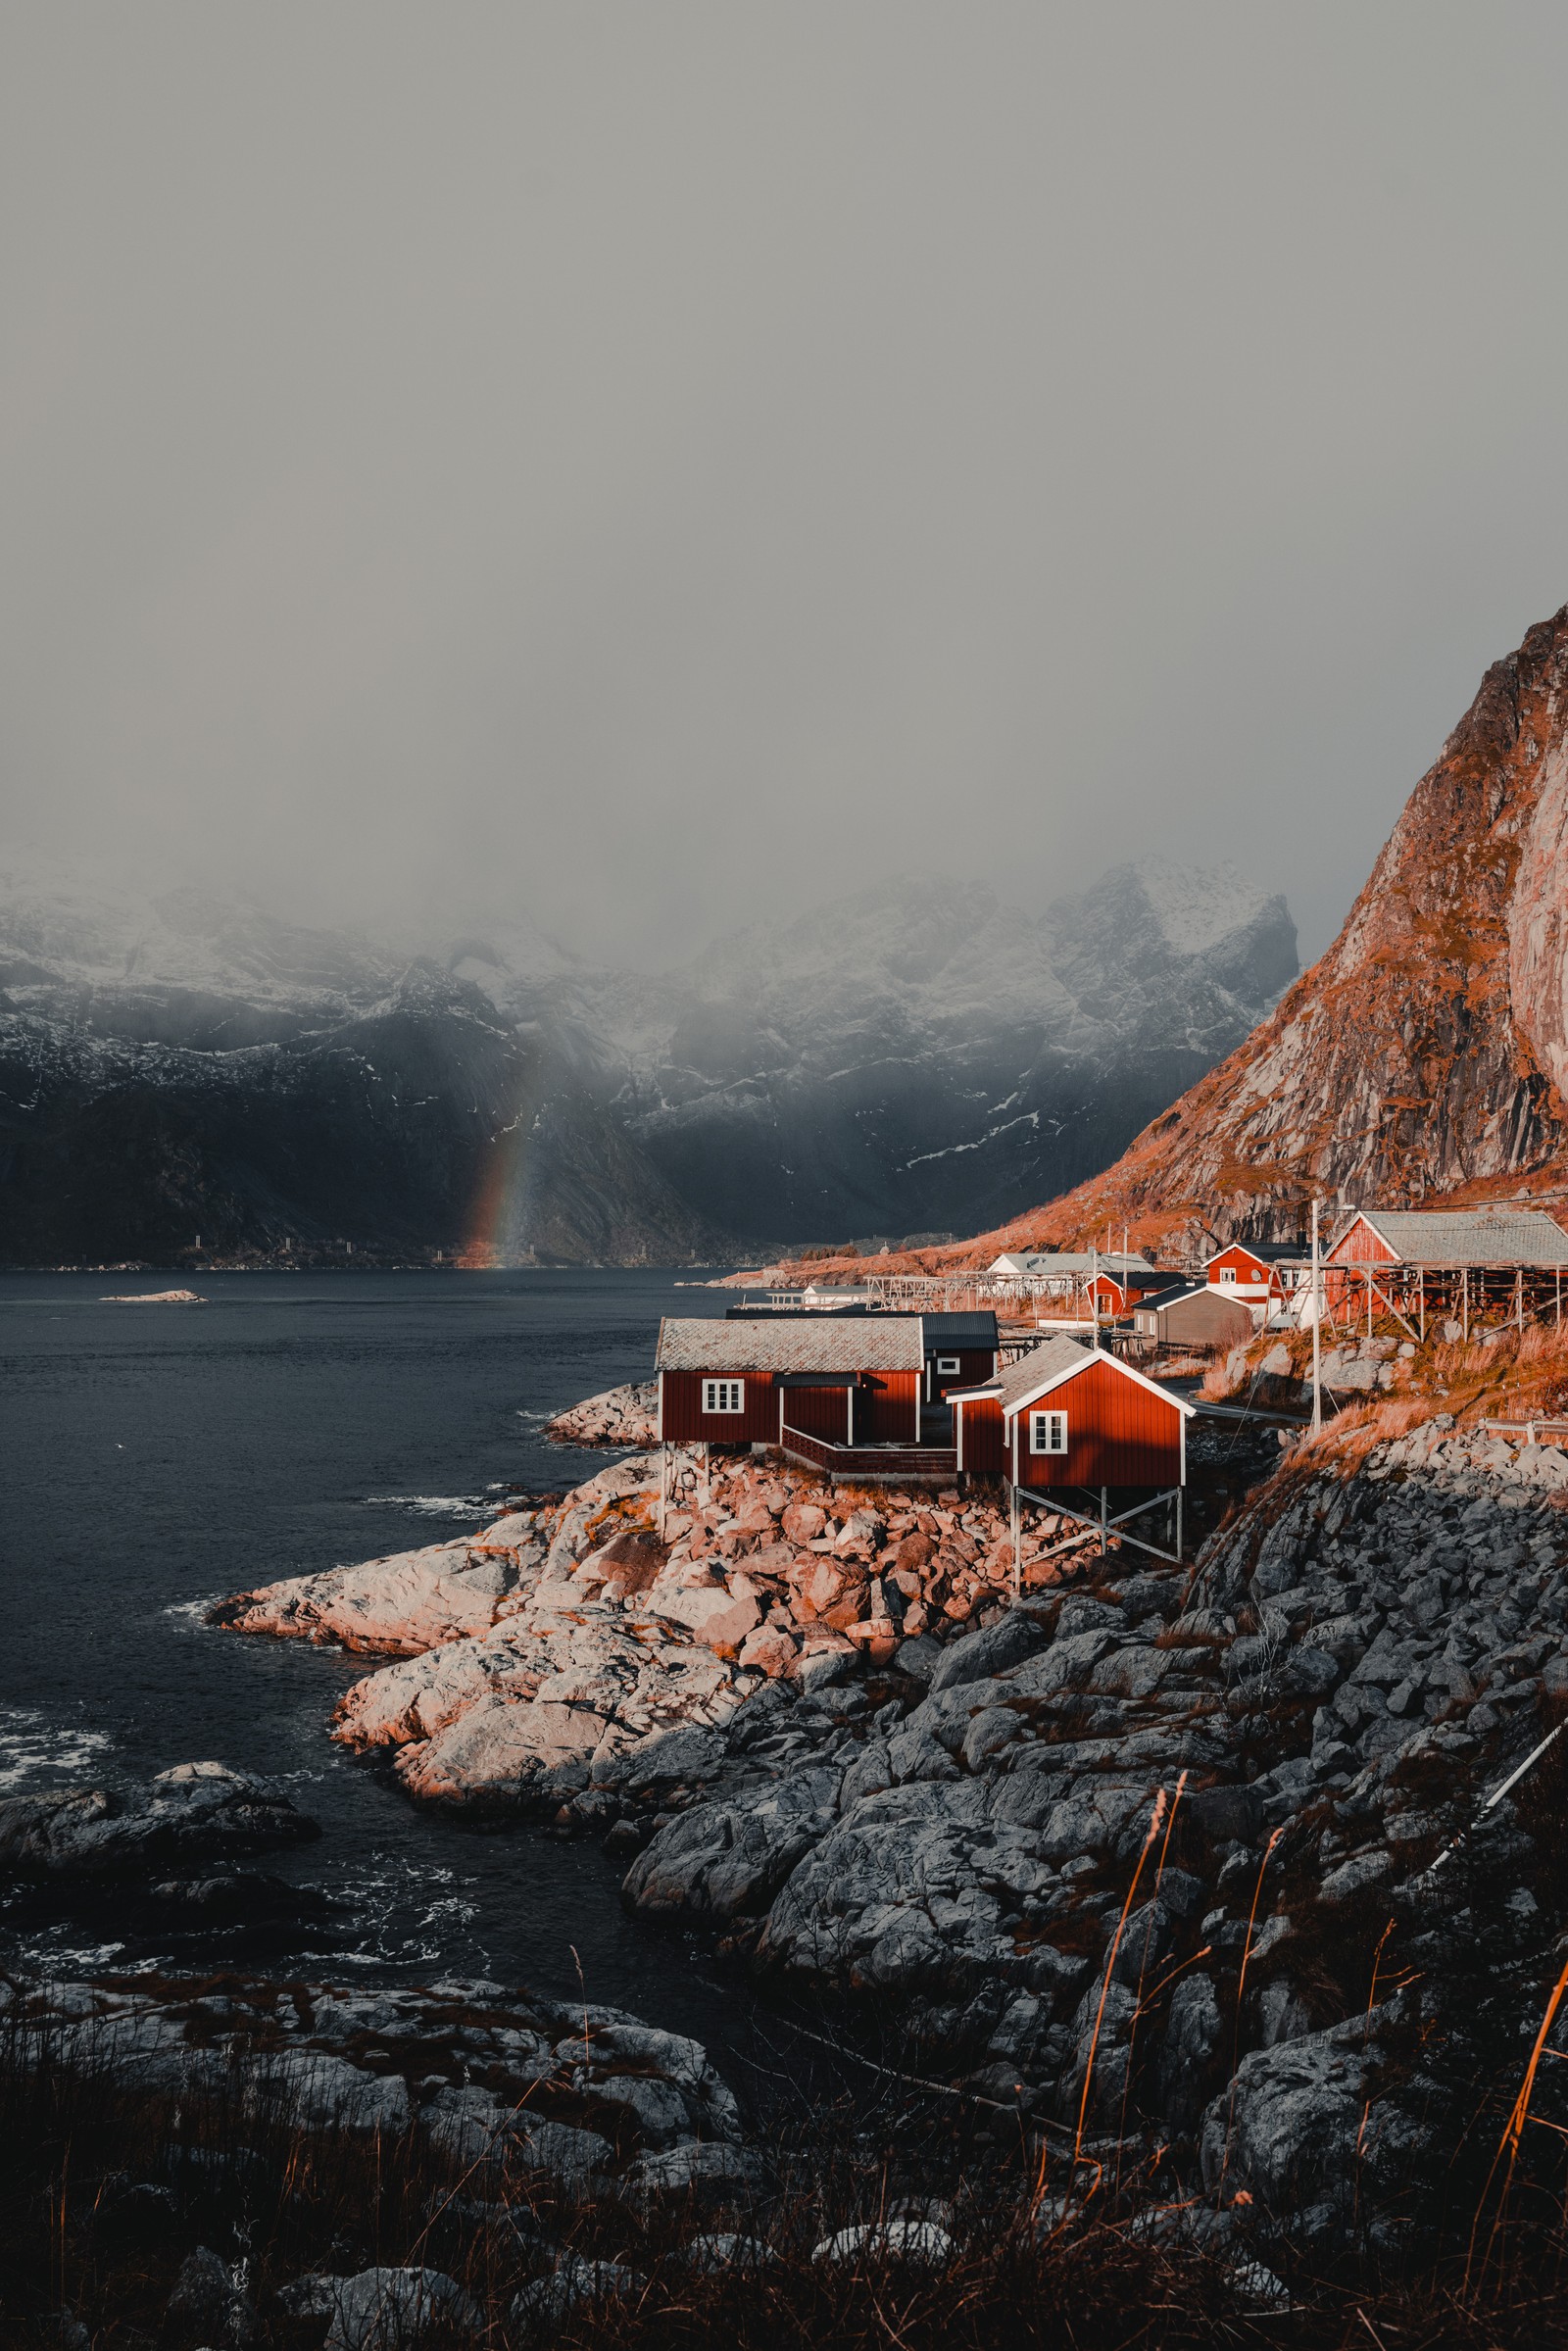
[
  {"x": 1204, "y": 1879},
  {"x": 1120, "y": 1849},
  {"x": 627, "y": 1415}
]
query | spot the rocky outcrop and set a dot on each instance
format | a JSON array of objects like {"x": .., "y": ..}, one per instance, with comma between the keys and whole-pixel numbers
[
  {"x": 574, "y": 2092},
  {"x": 1365, "y": 1651},
  {"x": 403, "y": 1604},
  {"x": 619, "y": 1416},
  {"x": 1205, "y": 1855},
  {"x": 569, "y": 1653},
  {"x": 197, "y": 1813}
]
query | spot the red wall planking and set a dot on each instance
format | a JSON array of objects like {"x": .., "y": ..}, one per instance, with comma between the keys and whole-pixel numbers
[
  {"x": 1360, "y": 1246},
  {"x": 885, "y": 1412},
  {"x": 979, "y": 1433},
  {"x": 684, "y": 1422},
  {"x": 974, "y": 1365},
  {"x": 1118, "y": 1434},
  {"x": 816, "y": 1412}
]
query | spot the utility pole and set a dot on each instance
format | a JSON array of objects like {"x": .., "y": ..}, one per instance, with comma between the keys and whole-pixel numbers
[{"x": 1317, "y": 1330}]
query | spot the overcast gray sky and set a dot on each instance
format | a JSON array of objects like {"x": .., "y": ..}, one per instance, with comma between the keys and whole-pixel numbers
[{"x": 633, "y": 463}]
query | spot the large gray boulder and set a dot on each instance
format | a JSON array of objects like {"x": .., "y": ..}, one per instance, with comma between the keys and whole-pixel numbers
[
  {"x": 721, "y": 1859},
  {"x": 1303, "y": 2129},
  {"x": 990, "y": 1650},
  {"x": 397, "y": 2310}
]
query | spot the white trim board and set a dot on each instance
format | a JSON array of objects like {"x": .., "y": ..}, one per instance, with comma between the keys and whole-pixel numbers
[{"x": 1074, "y": 1371}]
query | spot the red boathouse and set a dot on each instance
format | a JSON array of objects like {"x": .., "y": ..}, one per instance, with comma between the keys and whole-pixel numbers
[
  {"x": 854, "y": 1382},
  {"x": 1066, "y": 1415}
]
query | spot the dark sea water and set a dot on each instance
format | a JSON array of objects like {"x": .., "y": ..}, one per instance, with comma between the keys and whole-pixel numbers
[{"x": 155, "y": 1458}]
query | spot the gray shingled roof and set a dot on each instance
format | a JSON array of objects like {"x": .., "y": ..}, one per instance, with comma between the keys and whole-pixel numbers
[
  {"x": 1042, "y": 1263},
  {"x": 1053, "y": 1356},
  {"x": 868, "y": 1343},
  {"x": 1501, "y": 1235},
  {"x": 1050, "y": 1361},
  {"x": 1044, "y": 1361}
]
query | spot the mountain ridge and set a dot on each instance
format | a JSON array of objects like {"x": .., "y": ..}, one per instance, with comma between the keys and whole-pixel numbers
[
  {"x": 1425, "y": 1054},
  {"x": 173, "y": 1067}
]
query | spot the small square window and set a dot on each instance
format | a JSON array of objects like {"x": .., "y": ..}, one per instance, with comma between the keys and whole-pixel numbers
[
  {"x": 723, "y": 1396},
  {"x": 1048, "y": 1432},
  {"x": 946, "y": 1366},
  {"x": 1227, "y": 1273}
]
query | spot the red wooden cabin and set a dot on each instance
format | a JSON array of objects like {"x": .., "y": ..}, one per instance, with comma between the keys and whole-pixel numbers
[
  {"x": 1242, "y": 1273},
  {"x": 1502, "y": 1238},
  {"x": 850, "y": 1382},
  {"x": 961, "y": 1350},
  {"x": 1110, "y": 1296},
  {"x": 1066, "y": 1415}
]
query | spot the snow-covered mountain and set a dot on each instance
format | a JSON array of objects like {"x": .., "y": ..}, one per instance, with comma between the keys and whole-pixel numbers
[{"x": 917, "y": 1056}]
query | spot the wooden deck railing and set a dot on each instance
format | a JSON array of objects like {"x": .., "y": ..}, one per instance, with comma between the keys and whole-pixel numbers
[{"x": 892, "y": 1461}]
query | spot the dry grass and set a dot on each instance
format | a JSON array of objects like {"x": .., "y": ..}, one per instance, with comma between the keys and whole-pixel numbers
[{"x": 103, "y": 2192}]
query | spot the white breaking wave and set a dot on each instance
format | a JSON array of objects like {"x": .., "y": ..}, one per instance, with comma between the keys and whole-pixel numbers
[
  {"x": 433, "y": 1506},
  {"x": 37, "y": 1753},
  {"x": 192, "y": 1615}
]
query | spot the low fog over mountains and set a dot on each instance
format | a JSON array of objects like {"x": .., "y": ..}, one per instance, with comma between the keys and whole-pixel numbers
[{"x": 186, "y": 1080}]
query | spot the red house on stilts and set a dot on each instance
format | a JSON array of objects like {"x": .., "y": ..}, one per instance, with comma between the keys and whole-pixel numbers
[{"x": 1067, "y": 1421}]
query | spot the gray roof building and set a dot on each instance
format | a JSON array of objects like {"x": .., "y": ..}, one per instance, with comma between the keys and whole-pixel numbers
[
  {"x": 1057, "y": 1358},
  {"x": 812, "y": 1344},
  {"x": 1501, "y": 1235}
]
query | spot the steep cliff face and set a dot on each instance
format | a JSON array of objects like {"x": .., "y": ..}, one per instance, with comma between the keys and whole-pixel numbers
[{"x": 1427, "y": 1053}]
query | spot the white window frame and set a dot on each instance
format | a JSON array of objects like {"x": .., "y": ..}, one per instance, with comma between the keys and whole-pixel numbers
[
  {"x": 946, "y": 1366},
  {"x": 1227, "y": 1273},
  {"x": 1048, "y": 1432},
  {"x": 723, "y": 1396}
]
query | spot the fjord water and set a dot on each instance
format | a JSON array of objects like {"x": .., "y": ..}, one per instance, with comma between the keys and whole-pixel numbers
[{"x": 157, "y": 1458}]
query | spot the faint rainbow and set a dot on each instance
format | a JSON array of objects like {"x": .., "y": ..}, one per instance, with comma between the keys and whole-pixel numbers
[{"x": 490, "y": 1216}]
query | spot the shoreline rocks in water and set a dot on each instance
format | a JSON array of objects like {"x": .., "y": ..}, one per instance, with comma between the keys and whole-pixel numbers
[
  {"x": 1123, "y": 1850},
  {"x": 196, "y": 1813},
  {"x": 627, "y": 1415},
  {"x": 155, "y": 1297},
  {"x": 569, "y": 1654},
  {"x": 403, "y": 1604}
]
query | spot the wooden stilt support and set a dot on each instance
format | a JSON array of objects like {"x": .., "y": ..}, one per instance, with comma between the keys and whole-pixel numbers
[
  {"x": 1386, "y": 1298},
  {"x": 1105, "y": 1505},
  {"x": 1421, "y": 1301},
  {"x": 1018, "y": 1543},
  {"x": 1464, "y": 1297}
]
